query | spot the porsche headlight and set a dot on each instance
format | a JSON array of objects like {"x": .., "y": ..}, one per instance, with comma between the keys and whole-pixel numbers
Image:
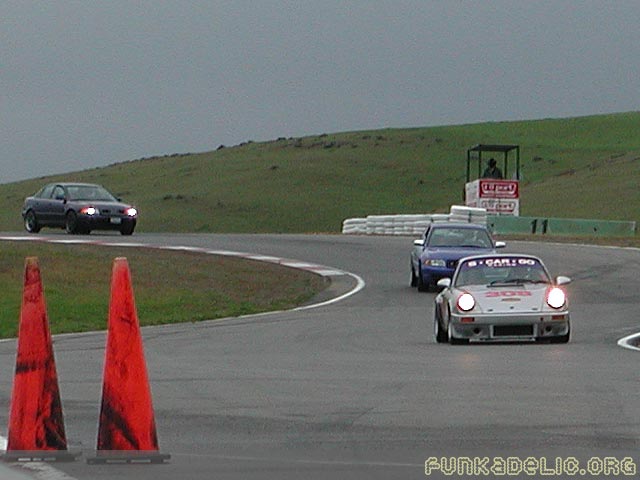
[
  {"x": 556, "y": 298},
  {"x": 466, "y": 302}
]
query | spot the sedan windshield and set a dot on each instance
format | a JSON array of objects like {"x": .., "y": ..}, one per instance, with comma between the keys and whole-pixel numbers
[
  {"x": 90, "y": 192},
  {"x": 460, "y": 237},
  {"x": 500, "y": 271}
]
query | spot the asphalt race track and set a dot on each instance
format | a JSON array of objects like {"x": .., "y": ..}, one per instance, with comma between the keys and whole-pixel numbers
[{"x": 358, "y": 389}]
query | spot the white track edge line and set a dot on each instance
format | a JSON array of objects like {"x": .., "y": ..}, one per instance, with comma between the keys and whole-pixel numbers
[{"x": 625, "y": 342}]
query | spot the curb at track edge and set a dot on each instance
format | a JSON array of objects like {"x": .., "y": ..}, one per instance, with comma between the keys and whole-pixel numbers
[{"x": 321, "y": 270}]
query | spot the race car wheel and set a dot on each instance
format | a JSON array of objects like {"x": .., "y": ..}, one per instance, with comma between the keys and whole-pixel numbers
[
  {"x": 414, "y": 277},
  {"x": 438, "y": 333},
  {"x": 561, "y": 339},
  {"x": 453, "y": 340},
  {"x": 31, "y": 222},
  {"x": 422, "y": 285}
]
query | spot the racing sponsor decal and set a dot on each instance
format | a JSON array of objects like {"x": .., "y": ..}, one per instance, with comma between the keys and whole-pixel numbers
[{"x": 501, "y": 262}]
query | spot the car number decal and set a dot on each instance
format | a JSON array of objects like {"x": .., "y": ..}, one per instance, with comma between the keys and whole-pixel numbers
[{"x": 508, "y": 293}]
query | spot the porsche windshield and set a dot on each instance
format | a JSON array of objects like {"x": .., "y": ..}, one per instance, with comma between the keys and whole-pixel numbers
[{"x": 500, "y": 271}]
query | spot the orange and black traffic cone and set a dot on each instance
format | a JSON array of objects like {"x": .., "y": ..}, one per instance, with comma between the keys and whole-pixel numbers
[
  {"x": 36, "y": 422},
  {"x": 127, "y": 430}
]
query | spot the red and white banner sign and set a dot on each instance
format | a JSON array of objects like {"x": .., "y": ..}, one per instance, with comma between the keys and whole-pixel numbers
[
  {"x": 498, "y": 189},
  {"x": 500, "y": 206},
  {"x": 500, "y": 197}
]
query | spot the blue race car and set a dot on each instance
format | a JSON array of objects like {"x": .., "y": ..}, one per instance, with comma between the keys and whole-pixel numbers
[{"x": 435, "y": 255}]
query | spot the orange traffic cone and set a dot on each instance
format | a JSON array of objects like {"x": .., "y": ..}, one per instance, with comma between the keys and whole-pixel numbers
[
  {"x": 127, "y": 430},
  {"x": 36, "y": 423}
]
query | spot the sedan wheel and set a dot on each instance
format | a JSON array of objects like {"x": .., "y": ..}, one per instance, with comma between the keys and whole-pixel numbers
[
  {"x": 414, "y": 277},
  {"x": 31, "y": 222},
  {"x": 127, "y": 230},
  {"x": 422, "y": 285},
  {"x": 71, "y": 222}
]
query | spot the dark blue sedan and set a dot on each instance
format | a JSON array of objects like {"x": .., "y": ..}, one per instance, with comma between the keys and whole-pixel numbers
[
  {"x": 435, "y": 255},
  {"x": 78, "y": 208}
]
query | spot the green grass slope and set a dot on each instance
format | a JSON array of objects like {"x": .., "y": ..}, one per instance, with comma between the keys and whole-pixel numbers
[{"x": 582, "y": 167}]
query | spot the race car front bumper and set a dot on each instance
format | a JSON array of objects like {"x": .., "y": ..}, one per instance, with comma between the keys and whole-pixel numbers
[{"x": 510, "y": 327}]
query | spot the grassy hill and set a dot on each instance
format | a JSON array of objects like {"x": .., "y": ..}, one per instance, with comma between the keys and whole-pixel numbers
[{"x": 584, "y": 167}]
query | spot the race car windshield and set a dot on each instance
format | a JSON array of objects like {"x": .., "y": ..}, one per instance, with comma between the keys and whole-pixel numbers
[
  {"x": 460, "y": 238},
  {"x": 495, "y": 272}
]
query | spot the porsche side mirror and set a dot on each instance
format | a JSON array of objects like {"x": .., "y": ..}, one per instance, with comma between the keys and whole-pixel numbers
[
  {"x": 444, "y": 283},
  {"x": 500, "y": 244},
  {"x": 562, "y": 280}
]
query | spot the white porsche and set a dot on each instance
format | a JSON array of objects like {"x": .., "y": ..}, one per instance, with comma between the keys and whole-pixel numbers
[{"x": 507, "y": 297}]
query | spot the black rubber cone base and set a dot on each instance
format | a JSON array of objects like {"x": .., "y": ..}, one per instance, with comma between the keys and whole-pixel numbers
[
  {"x": 49, "y": 456},
  {"x": 127, "y": 456}
]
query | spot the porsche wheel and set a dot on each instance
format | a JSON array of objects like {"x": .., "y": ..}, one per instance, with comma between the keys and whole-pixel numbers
[
  {"x": 452, "y": 339},
  {"x": 439, "y": 334},
  {"x": 563, "y": 338}
]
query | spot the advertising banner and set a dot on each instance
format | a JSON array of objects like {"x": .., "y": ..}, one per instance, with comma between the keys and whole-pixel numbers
[{"x": 500, "y": 197}]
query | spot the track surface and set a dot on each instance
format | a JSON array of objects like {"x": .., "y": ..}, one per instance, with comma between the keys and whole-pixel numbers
[{"x": 358, "y": 389}]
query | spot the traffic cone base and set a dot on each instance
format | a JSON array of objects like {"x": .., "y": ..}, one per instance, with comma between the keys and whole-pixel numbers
[
  {"x": 49, "y": 456},
  {"x": 103, "y": 457}
]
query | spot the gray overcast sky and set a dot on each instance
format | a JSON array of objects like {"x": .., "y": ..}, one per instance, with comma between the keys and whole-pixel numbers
[{"x": 89, "y": 82}]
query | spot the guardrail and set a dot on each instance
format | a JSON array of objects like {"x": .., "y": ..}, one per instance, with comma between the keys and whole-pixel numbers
[{"x": 503, "y": 224}]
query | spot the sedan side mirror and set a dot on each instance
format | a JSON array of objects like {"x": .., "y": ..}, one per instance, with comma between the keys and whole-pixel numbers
[
  {"x": 419, "y": 242},
  {"x": 562, "y": 280},
  {"x": 500, "y": 244}
]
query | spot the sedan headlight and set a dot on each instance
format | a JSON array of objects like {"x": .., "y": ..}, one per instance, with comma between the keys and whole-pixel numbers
[
  {"x": 132, "y": 212},
  {"x": 89, "y": 211},
  {"x": 556, "y": 297},
  {"x": 435, "y": 262},
  {"x": 466, "y": 302}
]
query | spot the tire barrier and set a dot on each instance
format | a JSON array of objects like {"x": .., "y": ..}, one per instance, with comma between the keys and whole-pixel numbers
[
  {"x": 126, "y": 430},
  {"x": 468, "y": 214},
  {"x": 410, "y": 224},
  {"x": 36, "y": 422}
]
